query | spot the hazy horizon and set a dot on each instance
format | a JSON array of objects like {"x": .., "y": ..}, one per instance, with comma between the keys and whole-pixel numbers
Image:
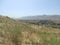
[{"x": 20, "y": 8}]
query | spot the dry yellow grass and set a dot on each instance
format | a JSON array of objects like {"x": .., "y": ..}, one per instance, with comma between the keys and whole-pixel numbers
[{"x": 14, "y": 32}]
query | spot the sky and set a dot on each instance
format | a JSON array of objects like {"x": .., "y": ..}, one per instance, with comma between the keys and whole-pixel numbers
[{"x": 20, "y": 8}]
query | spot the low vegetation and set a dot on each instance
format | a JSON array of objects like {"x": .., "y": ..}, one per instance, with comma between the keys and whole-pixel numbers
[{"x": 13, "y": 32}]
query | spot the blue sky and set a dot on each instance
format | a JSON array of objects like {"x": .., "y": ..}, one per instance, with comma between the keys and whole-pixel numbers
[{"x": 19, "y": 8}]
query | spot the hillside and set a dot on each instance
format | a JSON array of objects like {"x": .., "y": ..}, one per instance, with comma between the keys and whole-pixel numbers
[{"x": 14, "y": 32}]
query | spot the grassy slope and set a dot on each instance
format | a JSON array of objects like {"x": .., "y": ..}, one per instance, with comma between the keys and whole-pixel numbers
[{"x": 18, "y": 33}]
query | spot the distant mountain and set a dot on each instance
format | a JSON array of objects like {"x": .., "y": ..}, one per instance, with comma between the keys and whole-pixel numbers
[
  {"x": 39, "y": 17},
  {"x": 55, "y": 19}
]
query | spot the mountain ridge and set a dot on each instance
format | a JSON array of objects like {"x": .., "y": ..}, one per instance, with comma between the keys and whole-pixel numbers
[{"x": 38, "y": 17}]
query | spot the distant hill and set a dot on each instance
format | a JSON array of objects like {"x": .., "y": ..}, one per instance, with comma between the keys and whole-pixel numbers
[{"x": 39, "y": 17}]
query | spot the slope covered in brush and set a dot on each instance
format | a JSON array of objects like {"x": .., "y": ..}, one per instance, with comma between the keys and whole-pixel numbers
[{"x": 14, "y": 32}]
